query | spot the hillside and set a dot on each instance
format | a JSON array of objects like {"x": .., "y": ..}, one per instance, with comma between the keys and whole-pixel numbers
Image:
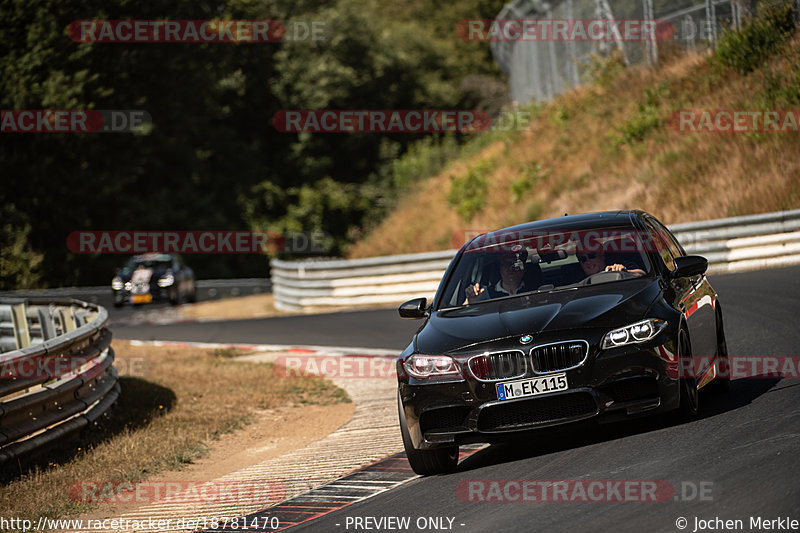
[{"x": 613, "y": 145}]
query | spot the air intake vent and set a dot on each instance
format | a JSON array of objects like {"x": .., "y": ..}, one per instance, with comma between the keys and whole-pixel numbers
[
  {"x": 559, "y": 356},
  {"x": 444, "y": 420},
  {"x": 497, "y": 366},
  {"x": 518, "y": 414}
]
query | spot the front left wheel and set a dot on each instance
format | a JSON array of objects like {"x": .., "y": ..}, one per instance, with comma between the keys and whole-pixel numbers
[{"x": 426, "y": 462}]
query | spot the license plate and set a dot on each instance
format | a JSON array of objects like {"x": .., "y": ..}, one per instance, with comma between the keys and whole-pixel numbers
[
  {"x": 531, "y": 387},
  {"x": 141, "y": 298}
]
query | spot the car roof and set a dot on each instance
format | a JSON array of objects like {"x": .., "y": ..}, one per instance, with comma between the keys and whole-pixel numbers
[
  {"x": 152, "y": 257},
  {"x": 570, "y": 223}
]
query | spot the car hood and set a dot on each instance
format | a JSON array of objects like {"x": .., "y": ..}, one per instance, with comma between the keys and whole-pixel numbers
[{"x": 607, "y": 305}]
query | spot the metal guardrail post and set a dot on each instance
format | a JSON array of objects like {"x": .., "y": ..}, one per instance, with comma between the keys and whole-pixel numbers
[
  {"x": 67, "y": 319},
  {"x": 46, "y": 322},
  {"x": 19, "y": 319}
]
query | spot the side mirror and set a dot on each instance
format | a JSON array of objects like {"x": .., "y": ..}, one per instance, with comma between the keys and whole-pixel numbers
[
  {"x": 414, "y": 308},
  {"x": 689, "y": 265}
]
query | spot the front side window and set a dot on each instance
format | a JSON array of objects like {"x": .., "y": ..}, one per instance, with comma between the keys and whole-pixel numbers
[
  {"x": 674, "y": 246},
  {"x": 658, "y": 238}
]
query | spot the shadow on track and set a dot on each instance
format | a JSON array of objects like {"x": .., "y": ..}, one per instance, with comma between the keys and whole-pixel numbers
[{"x": 553, "y": 440}]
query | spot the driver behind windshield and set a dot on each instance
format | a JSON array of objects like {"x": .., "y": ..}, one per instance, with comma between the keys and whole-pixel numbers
[
  {"x": 511, "y": 282},
  {"x": 593, "y": 262}
]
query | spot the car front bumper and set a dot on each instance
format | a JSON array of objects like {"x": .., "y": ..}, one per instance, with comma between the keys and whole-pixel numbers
[
  {"x": 609, "y": 386},
  {"x": 157, "y": 293}
]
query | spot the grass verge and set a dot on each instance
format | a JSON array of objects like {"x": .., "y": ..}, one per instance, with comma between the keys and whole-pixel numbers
[
  {"x": 257, "y": 305},
  {"x": 176, "y": 403}
]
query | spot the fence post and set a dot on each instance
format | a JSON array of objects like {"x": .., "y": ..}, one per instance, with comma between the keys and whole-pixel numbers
[
  {"x": 689, "y": 32},
  {"x": 604, "y": 12},
  {"x": 651, "y": 43},
  {"x": 573, "y": 56},
  {"x": 711, "y": 23},
  {"x": 554, "y": 76}
]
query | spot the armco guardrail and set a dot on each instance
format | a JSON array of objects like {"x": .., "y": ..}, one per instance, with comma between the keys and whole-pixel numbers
[
  {"x": 744, "y": 243},
  {"x": 375, "y": 280},
  {"x": 207, "y": 289},
  {"x": 729, "y": 244},
  {"x": 56, "y": 373}
]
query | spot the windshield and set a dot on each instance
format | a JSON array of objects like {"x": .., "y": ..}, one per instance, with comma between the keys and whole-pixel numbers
[
  {"x": 499, "y": 265},
  {"x": 148, "y": 261}
]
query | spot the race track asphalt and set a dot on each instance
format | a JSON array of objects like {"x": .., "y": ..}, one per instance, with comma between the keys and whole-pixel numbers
[{"x": 738, "y": 461}]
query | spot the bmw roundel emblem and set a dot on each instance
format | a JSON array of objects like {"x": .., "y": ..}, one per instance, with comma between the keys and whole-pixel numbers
[{"x": 526, "y": 339}]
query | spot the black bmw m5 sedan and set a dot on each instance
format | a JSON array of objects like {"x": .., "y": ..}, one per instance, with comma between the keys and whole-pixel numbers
[{"x": 599, "y": 316}]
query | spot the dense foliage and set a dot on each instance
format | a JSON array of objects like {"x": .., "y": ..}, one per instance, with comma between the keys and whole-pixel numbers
[{"x": 212, "y": 159}]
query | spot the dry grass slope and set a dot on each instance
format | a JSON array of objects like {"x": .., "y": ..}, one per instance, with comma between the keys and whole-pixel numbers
[{"x": 608, "y": 146}]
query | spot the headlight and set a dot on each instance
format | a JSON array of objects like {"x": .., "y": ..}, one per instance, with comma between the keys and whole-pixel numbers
[
  {"x": 128, "y": 285},
  {"x": 633, "y": 334},
  {"x": 166, "y": 281},
  {"x": 116, "y": 284},
  {"x": 431, "y": 366}
]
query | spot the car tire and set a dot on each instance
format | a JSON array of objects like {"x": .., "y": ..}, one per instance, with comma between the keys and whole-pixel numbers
[
  {"x": 174, "y": 296},
  {"x": 690, "y": 396},
  {"x": 722, "y": 383},
  {"x": 118, "y": 304},
  {"x": 192, "y": 298},
  {"x": 426, "y": 462}
]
